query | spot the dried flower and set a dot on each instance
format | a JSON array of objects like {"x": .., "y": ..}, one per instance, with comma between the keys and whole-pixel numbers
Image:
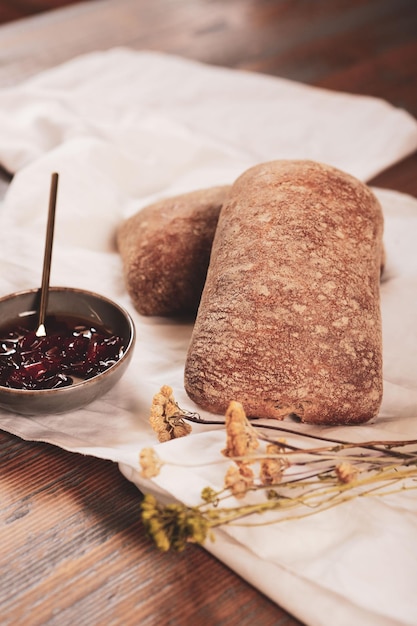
[
  {"x": 180, "y": 429},
  {"x": 166, "y": 418},
  {"x": 321, "y": 476},
  {"x": 345, "y": 472},
  {"x": 173, "y": 525},
  {"x": 239, "y": 478},
  {"x": 150, "y": 463},
  {"x": 241, "y": 437},
  {"x": 209, "y": 495},
  {"x": 272, "y": 468}
]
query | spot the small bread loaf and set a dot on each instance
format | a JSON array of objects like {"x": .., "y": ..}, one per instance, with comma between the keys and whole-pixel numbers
[
  {"x": 289, "y": 321},
  {"x": 165, "y": 249}
]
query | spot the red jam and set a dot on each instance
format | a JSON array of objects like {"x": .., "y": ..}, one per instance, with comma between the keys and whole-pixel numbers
[{"x": 71, "y": 349}]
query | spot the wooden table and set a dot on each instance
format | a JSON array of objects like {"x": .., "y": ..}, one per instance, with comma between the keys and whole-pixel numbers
[{"x": 73, "y": 547}]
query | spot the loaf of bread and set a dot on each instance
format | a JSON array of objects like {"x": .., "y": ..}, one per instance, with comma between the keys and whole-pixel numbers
[
  {"x": 289, "y": 321},
  {"x": 165, "y": 249}
]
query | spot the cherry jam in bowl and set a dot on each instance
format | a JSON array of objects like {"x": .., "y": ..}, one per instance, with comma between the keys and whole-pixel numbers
[{"x": 88, "y": 345}]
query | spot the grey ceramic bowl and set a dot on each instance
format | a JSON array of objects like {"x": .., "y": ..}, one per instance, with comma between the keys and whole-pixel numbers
[{"x": 78, "y": 303}]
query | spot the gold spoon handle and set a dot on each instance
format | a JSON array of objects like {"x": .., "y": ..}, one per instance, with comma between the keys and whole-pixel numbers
[{"x": 41, "y": 332}]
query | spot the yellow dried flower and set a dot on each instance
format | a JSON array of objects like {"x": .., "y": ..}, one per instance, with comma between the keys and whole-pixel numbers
[
  {"x": 166, "y": 391},
  {"x": 173, "y": 525},
  {"x": 166, "y": 416},
  {"x": 271, "y": 469},
  {"x": 245, "y": 470},
  {"x": 181, "y": 430},
  {"x": 209, "y": 495},
  {"x": 345, "y": 472},
  {"x": 241, "y": 438},
  {"x": 157, "y": 409},
  {"x": 149, "y": 462},
  {"x": 159, "y": 399},
  {"x": 164, "y": 435},
  {"x": 270, "y": 472},
  {"x": 196, "y": 527},
  {"x": 239, "y": 481}
]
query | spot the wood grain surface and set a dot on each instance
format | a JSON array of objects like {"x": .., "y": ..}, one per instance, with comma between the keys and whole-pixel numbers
[{"x": 73, "y": 547}]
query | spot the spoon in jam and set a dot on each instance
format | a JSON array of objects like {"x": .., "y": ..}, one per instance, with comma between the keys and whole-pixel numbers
[{"x": 46, "y": 271}]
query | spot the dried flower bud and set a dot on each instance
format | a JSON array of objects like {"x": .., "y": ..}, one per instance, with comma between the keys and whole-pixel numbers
[
  {"x": 209, "y": 495},
  {"x": 241, "y": 437},
  {"x": 272, "y": 468},
  {"x": 166, "y": 416},
  {"x": 166, "y": 391},
  {"x": 193, "y": 527},
  {"x": 157, "y": 410},
  {"x": 245, "y": 470},
  {"x": 238, "y": 482},
  {"x": 173, "y": 525},
  {"x": 159, "y": 399},
  {"x": 181, "y": 430},
  {"x": 163, "y": 435},
  {"x": 149, "y": 462},
  {"x": 345, "y": 472}
]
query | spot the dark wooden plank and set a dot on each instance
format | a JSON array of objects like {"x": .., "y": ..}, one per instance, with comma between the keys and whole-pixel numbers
[
  {"x": 11, "y": 10},
  {"x": 73, "y": 545}
]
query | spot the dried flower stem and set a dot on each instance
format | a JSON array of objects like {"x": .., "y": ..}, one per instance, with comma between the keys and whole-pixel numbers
[
  {"x": 175, "y": 525},
  {"x": 311, "y": 479},
  {"x": 379, "y": 446}
]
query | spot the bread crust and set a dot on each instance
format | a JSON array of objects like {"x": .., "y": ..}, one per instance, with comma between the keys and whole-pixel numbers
[
  {"x": 165, "y": 249},
  {"x": 289, "y": 321}
]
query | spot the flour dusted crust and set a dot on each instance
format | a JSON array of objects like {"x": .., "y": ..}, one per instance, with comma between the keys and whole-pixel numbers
[
  {"x": 289, "y": 321},
  {"x": 165, "y": 249}
]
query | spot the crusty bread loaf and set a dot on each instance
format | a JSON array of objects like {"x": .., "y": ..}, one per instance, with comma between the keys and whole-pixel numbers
[
  {"x": 289, "y": 321},
  {"x": 165, "y": 249}
]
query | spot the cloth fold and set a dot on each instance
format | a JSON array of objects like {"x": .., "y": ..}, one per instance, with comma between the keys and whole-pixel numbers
[
  {"x": 124, "y": 128},
  {"x": 145, "y": 102}
]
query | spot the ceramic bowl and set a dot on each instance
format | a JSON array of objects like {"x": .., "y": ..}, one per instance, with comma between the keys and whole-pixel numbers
[{"x": 76, "y": 303}]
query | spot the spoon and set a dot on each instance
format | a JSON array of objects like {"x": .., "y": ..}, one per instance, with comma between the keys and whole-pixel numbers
[{"x": 41, "y": 332}]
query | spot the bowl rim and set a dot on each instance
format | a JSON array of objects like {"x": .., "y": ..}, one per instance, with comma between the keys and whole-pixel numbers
[{"x": 87, "y": 381}]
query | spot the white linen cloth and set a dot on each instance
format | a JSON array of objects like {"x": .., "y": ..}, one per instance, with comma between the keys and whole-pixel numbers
[{"x": 123, "y": 128}]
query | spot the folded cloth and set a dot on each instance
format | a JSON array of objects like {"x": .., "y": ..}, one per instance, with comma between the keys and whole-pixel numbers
[
  {"x": 124, "y": 128},
  {"x": 144, "y": 103}
]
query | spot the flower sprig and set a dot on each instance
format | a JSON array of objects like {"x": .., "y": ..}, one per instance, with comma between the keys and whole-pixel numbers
[
  {"x": 166, "y": 418},
  {"x": 268, "y": 475}
]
